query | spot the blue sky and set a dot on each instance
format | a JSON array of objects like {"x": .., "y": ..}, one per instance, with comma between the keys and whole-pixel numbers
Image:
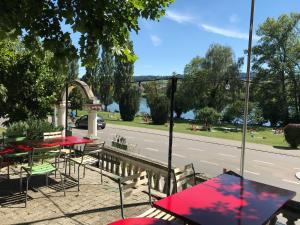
[{"x": 190, "y": 26}]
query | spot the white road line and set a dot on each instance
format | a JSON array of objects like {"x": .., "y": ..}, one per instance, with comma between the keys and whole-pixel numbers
[
  {"x": 227, "y": 155},
  {"x": 196, "y": 149},
  {"x": 178, "y": 155},
  {"x": 150, "y": 141},
  {"x": 296, "y": 168},
  {"x": 258, "y": 161},
  {"x": 152, "y": 149},
  {"x": 207, "y": 162},
  {"x": 248, "y": 171},
  {"x": 290, "y": 181}
]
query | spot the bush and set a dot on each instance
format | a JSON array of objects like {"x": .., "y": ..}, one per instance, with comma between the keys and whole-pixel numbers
[
  {"x": 17, "y": 129},
  {"x": 208, "y": 116},
  {"x": 37, "y": 127},
  {"x": 292, "y": 134},
  {"x": 129, "y": 104},
  {"x": 159, "y": 108}
]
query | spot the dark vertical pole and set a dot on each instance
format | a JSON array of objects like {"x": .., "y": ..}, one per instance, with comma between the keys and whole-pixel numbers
[
  {"x": 67, "y": 96},
  {"x": 173, "y": 89},
  {"x": 247, "y": 90}
]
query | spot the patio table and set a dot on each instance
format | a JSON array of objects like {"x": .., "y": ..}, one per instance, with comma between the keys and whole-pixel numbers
[
  {"x": 142, "y": 221},
  {"x": 226, "y": 200}
]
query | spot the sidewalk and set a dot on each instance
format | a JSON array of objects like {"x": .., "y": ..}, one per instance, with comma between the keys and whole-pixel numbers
[{"x": 219, "y": 141}]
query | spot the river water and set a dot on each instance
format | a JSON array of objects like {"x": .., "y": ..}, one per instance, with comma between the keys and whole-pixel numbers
[{"x": 145, "y": 109}]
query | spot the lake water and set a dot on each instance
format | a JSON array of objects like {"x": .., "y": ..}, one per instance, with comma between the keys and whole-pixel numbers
[{"x": 145, "y": 109}]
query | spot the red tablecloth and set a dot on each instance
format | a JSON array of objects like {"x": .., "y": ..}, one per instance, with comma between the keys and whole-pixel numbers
[
  {"x": 226, "y": 200},
  {"x": 27, "y": 146},
  {"x": 142, "y": 221}
]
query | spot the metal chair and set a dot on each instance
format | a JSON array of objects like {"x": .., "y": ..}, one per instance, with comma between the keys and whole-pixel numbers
[
  {"x": 132, "y": 184},
  {"x": 184, "y": 177},
  {"x": 39, "y": 165},
  {"x": 88, "y": 158}
]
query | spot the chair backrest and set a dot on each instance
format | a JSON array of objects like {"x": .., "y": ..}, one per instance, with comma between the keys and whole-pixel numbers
[
  {"x": 184, "y": 177},
  {"x": 132, "y": 184},
  {"x": 93, "y": 147},
  {"x": 40, "y": 155},
  {"x": 55, "y": 134}
]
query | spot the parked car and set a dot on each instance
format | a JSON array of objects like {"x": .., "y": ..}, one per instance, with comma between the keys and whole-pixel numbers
[{"x": 82, "y": 122}]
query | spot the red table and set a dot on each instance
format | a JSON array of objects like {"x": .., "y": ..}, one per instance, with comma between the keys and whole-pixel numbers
[
  {"x": 29, "y": 145},
  {"x": 142, "y": 221},
  {"x": 226, "y": 200}
]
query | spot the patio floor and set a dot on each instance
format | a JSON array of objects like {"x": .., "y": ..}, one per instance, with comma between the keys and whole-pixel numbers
[{"x": 95, "y": 203}]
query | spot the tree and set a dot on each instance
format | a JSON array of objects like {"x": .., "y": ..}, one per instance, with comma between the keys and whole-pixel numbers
[
  {"x": 208, "y": 116},
  {"x": 31, "y": 82},
  {"x": 180, "y": 99},
  {"x": 158, "y": 102},
  {"x": 77, "y": 99},
  {"x": 3, "y": 92},
  {"x": 99, "y": 22},
  {"x": 276, "y": 63},
  {"x": 205, "y": 78},
  {"x": 129, "y": 103},
  {"x": 105, "y": 78}
]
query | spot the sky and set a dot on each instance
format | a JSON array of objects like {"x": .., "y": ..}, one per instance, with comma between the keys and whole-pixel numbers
[{"x": 189, "y": 27}]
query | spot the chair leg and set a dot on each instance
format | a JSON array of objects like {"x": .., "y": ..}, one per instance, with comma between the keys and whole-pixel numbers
[
  {"x": 78, "y": 176},
  {"x": 83, "y": 171},
  {"x": 62, "y": 183},
  {"x": 27, "y": 181},
  {"x": 55, "y": 162},
  {"x": 121, "y": 200},
  {"x": 21, "y": 180},
  {"x": 65, "y": 169},
  {"x": 8, "y": 171},
  {"x": 46, "y": 179}
]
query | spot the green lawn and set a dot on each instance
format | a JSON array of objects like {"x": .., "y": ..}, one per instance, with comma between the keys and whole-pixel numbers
[{"x": 260, "y": 135}]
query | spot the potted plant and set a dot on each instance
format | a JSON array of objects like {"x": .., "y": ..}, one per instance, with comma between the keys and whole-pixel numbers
[{"x": 119, "y": 142}]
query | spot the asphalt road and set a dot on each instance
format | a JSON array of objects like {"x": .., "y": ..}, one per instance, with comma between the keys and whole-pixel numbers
[{"x": 210, "y": 157}]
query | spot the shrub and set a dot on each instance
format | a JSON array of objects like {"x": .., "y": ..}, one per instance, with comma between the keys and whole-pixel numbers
[
  {"x": 129, "y": 104},
  {"x": 37, "y": 127},
  {"x": 292, "y": 134},
  {"x": 159, "y": 107},
  {"x": 208, "y": 116},
  {"x": 17, "y": 129}
]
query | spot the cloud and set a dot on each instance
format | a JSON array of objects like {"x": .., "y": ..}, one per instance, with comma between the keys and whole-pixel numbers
[
  {"x": 179, "y": 17},
  {"x": 156, "y": 41},
  {"x": 226, "y": 32},
  {"x": 233, "y": 18}
]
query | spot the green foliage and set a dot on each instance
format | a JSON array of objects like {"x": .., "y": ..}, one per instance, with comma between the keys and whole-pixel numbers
[
  {"x": 105, "y": 22},
  {"x": 31, "y": 82},
  {"x": 17, "y": 129},
  {"x": 77, "y": 99},
  {"x": 158, "y": 102},
  {"x": 208, "y": 116},
  {"x": 276, "y": 63},
  {"x": 292, "y": 134},
  {"x": 37, "y": 127},
  {"x": 233, "y": 111},
  {"x": 129, "y": 104},
  {"x": 204, "y": 79},
  {"x": 3, "y": 93}
]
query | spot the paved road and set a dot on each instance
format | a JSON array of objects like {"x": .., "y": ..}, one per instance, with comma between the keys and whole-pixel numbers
[{"x": 211, "y": 155}]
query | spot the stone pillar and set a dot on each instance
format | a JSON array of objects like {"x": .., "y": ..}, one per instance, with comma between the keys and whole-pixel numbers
[
  {"x": 92, "y": 123},
  {"x": 54, "y": 117},
  {"x": 61, "y": 114}
]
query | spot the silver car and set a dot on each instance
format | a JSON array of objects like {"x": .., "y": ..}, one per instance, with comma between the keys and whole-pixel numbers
[{"x": 82, "y": 122}]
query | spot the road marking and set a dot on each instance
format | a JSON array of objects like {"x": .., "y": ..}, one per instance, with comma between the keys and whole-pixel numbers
[
  {"x": 178, "y": 155},
  {"x": 248, "y": 171},
  {"x": 227, "y": 155},
  {"x": 152, "y": 149},
  {"x": 211, "y": 163},
  {"x": 196, "y": 149},
  {"x": 147, "y": 140},
  {"x": 258, "y": 161},
  {"x": 296, "y": 168},
  {"x": 129, "y": 137},
  {"x": 290, "y": 181}
]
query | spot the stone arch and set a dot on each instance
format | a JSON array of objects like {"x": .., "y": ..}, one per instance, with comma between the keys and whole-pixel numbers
[{"x": 92, "y": 106}]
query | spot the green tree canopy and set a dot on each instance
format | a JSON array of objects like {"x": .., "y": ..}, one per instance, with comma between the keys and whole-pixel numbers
[
  {"x": 32, "y": 84},
  {"x": 99, "y": 22},
  {"x": 276, "y": 63},
  {"x": 208, "y": 116}
]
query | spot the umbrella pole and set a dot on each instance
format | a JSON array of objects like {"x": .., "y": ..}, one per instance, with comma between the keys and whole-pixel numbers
[
  {"x": 242, "y": 164},
  {"x": 174, "y": 80}
]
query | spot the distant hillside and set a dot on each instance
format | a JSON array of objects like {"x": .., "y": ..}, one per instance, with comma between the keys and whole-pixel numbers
[{"x": 155, "y": 77}]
